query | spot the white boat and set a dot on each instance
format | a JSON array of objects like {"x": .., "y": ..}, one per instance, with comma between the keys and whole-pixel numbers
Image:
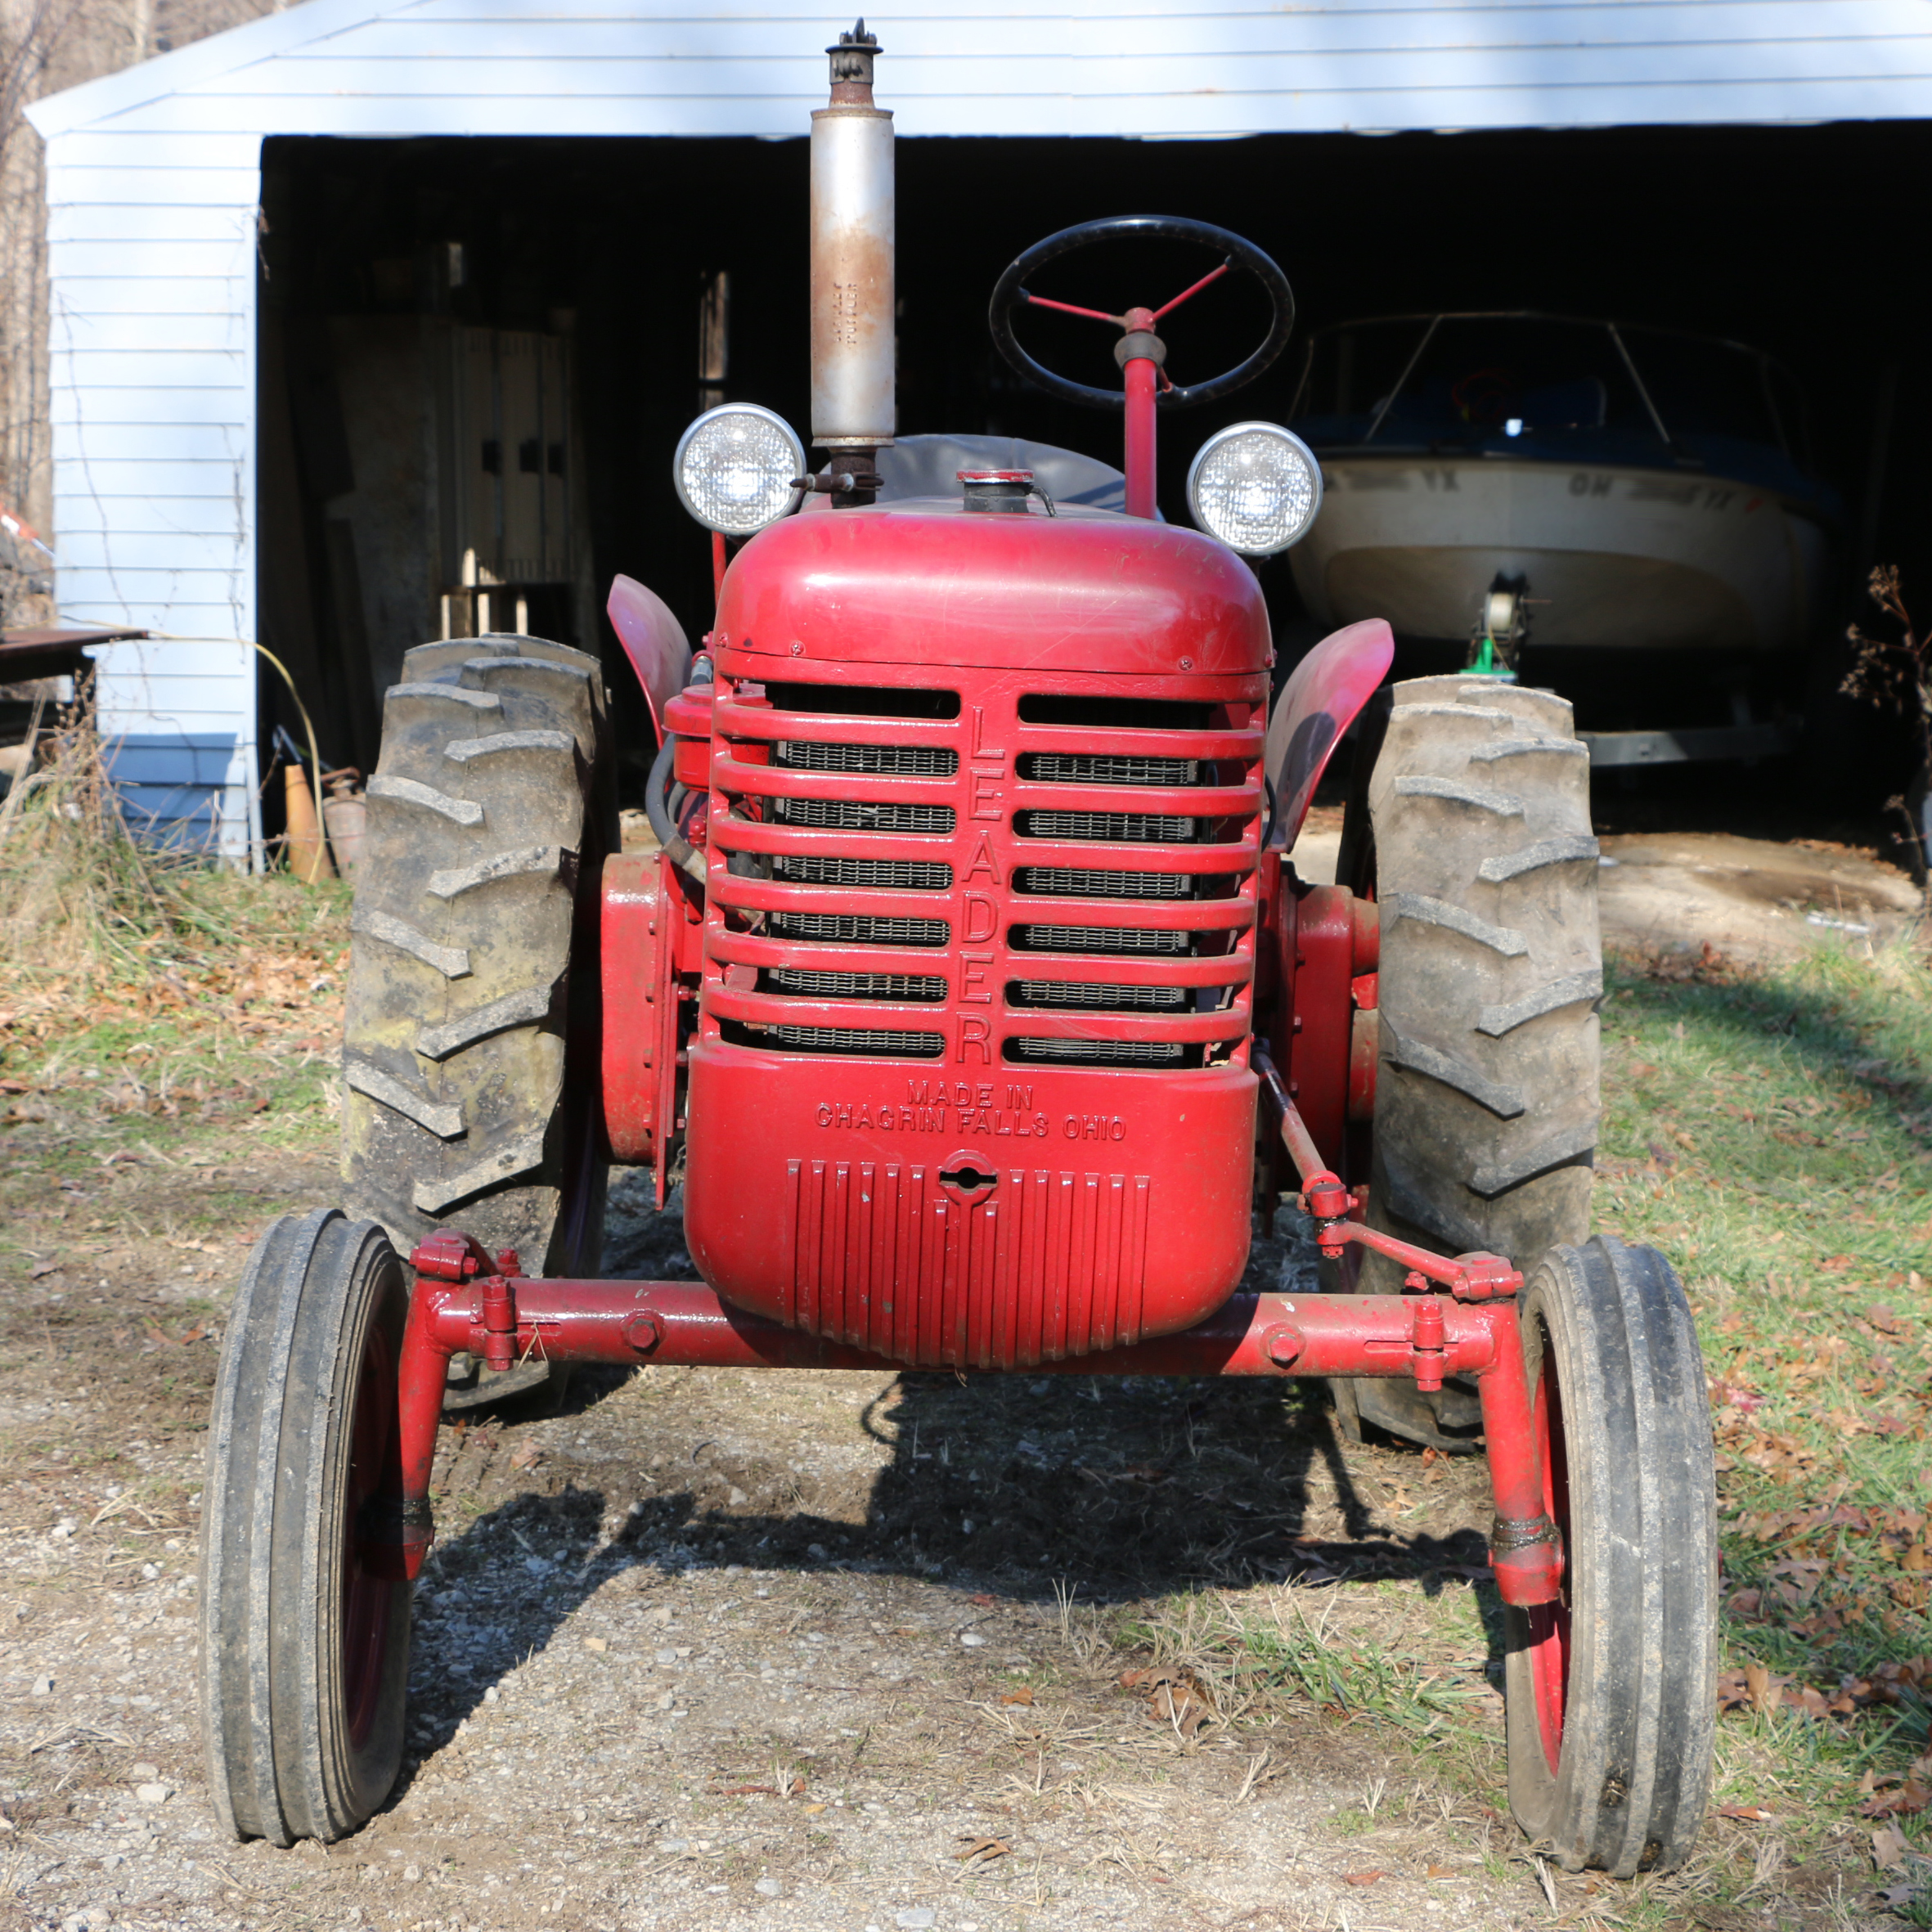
[{"x": 1591, "y": 486}]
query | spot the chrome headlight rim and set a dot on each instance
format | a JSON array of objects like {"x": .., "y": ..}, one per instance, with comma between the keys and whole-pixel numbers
[
  {"x": 1280, "y": 434},
  {"x": 697, "y": 427}
]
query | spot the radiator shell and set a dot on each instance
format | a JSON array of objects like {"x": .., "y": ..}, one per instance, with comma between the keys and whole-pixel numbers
[{"x": 882, "y": 1012}]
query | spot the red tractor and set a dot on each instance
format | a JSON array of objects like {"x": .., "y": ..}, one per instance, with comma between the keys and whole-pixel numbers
[{"x": 973, "y": 994}]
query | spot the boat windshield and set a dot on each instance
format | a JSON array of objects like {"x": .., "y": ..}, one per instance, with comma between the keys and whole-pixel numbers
[{"x": 1469, "y": 377}]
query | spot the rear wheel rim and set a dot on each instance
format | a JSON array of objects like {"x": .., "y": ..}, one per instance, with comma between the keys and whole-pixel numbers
[
  {"x": 368, "y": 1600},
  {"x": 1549, "y": 1623}
]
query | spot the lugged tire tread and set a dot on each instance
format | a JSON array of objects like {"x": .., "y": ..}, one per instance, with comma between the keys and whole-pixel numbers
[
  {"x": 503, "y": 896},
  {"x": 1519, "y": 1019}
]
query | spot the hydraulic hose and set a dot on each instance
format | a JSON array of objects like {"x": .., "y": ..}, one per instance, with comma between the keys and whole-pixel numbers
[{"x": 679, "y": 849}]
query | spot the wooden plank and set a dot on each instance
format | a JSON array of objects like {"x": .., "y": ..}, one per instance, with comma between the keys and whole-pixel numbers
[
  {"x": 454, "y": 32},
  {"x": 233, "y": 258},
  {"x": 134, "y": 148},
  {"x": 125, "y": 223},
  {"x": 171, "y": 369},
  {"x": 136, "y": 187},
  {"x": 218, "y": 331},
  {"x": 146, "y": 550},
  {"x": 1181, "y": 60},
  {"x": 120, "y": 294},
  {"x": 85, "y": 517},
  {"x": 101, "y": 473}
]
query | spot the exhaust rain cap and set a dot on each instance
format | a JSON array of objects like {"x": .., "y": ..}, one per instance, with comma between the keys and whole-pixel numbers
[{"x": 1256, "y": 487}]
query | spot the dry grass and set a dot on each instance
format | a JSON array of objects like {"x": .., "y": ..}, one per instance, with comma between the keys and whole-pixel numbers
[{"x": 141, "y": 986}]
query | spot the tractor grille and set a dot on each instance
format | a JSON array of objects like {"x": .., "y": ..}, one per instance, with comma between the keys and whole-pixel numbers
[
  {"x": 1070, "y": 882},
  {"x": 811, "y": 983},
  {"x": 1096, "y": 939},
  {"x": 1089, "y": 768},
  {"x": 1128, "y": 828},
  {"x": 886, "y": 761},
  {"x": 860, "y": 928},
  {"x": 860, "y": 1040},
  {"x": 904, "y": 876},
  {"x": 1104, "y": 1053},
  {"x": 849, "y": 814},
  {"x": 1097, "y": 999},
  {"x": 944, "y": 820}
]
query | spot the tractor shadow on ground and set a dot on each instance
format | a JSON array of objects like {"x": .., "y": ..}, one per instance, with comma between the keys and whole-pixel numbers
[{"x": 1120, "y": 1490}]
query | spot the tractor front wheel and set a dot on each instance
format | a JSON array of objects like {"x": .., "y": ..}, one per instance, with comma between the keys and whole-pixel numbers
[
  {"x": 304, "y": 1612},
  {"x": 1612, "y": 1690}
]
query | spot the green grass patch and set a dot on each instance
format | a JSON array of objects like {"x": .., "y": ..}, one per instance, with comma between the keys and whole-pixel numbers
[{"x": 1770, "y": 1132}]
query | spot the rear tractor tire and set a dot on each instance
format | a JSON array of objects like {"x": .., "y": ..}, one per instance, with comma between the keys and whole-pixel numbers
[
  {"x": 304, "y": 1634},
  {"x": 470, "y": 1049},
  {"x": 1486, "y": 1103}
]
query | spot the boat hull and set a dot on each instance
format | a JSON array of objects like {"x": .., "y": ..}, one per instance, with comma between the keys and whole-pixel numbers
[{"x": 1632, "y": 559}]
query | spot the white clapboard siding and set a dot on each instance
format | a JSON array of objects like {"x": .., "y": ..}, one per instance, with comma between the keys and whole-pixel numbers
[{"x": 153, "y": 181}]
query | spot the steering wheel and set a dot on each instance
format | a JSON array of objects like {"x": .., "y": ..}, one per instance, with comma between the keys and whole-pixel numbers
[{"x": 1235, "y": 252}]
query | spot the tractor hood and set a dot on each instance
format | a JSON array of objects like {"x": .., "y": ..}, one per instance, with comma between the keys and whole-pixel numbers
[{"x": 928, "y": 582}]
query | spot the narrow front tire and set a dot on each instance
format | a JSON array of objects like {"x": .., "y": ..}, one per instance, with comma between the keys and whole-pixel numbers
[
  {"x": 304, "y": 1611},
  {"x": 1612, "y": 1690}
]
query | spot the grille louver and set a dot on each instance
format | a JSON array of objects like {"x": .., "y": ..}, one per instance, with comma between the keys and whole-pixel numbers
[
  {"x": 809, "y": 982},
  {"x": 904, "y": 876},
  {"x": 885, "y": 760}
]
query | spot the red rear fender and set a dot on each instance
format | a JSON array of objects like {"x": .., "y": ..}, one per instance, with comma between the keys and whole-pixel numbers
[
  {"x": 654, "y": 641},
  {"x": 1318, "y": 703}
]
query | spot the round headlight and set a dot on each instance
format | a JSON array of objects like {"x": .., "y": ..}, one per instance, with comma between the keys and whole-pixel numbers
[
  {"x": 1256, "y": 487},
  {"x": 734, "y": 468}
]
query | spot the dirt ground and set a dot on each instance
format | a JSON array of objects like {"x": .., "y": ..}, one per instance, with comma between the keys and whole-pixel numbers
[
  {"x": 704, "y": 1649},
  {"x": 1754, "y": 900}
]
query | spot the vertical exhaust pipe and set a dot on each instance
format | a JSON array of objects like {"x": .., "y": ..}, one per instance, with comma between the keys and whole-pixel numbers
[{"x": 853, "y": 332}]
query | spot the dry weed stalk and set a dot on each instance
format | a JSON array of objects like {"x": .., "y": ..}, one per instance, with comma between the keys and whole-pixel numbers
[
  {"x": 81, "y": 899},
  {"x": 1895, "y": 673}
]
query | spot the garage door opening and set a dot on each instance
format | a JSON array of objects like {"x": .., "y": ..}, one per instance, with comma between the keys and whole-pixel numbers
[{"x": 476, "y": 356}]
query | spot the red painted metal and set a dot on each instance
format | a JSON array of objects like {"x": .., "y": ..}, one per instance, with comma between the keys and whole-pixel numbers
[
  {"x": 1213, "y": 275},
  {"x": 1324, "y": 693},
  {"x": 1143, "y": 374},
  {"x": 1364, "y": 1039},
  {"x": 458, "y": 1304},
  {"x": 1322, "y": 938},
  {"x": 655, "y": 642},
  {"x": 688, "y": 716},
  {"x": 931, "y": 586},
  {"x": 1549, "y": 1622},
  {"x": 881, "y": 1010},
  {"x": 372, "y": 1566},
  {"x": 639, "y": 1079}
]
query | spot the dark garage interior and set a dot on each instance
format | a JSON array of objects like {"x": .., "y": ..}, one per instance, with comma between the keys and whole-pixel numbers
[{"x": 477, "y": 356}]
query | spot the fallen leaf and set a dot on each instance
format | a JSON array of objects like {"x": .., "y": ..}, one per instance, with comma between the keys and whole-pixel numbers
[
  {"x": 1908, "y": 1801},
  {"x": 1359, "y": 1878},
  {"x": 1765, "y": 1694},
  {"x": 526, "y": 1456},
  {"x": 983, "y": 1600},
  {"x": 1023, "y": 1695},
  {"x": 1440, "y": 1871},
  {"x": 811, "y": 1811},
  {"x": 596, "y": 1643},
  {"x": 1888, "y": 1847},
  {"x": 1748, "y": 1814},
  {"x": 985, "y": 1850},
  {"x": 1883, "y": 1319},
  {"x": 41, "y": 1269}
]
